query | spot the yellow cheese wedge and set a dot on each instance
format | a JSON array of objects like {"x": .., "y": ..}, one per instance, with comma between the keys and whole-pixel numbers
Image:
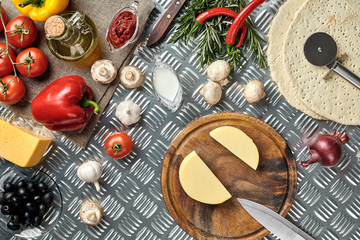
[
  {"x": 21, "y": 146},
  {"x": 199, "y": 182},
  {"x": 237, "y": 142}
]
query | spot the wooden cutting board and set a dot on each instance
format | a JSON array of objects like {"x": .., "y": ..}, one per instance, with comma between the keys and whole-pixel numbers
[{"x": 273, "y": 184}]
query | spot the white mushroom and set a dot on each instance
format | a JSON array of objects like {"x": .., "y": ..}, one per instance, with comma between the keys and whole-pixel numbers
[
  {"x": 91, "y": 213},
  {"x": 218, "y": 71},
  {"x": 128, "y": 112},
  {"x": 131, "y": 76},
  {"x": 103, "y": 71},
  {"x": 90, "y": 172},
  {"x": 211, "y": 91},
  {"x": 254, "y": 91}
]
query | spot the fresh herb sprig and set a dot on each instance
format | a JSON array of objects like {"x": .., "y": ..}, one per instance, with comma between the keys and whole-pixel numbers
[{"x": 210, "y": 36}]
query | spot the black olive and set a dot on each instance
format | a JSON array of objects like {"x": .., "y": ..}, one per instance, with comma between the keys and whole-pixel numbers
[
  {"x": 28, "y": 218},
  {"x": 16, "y": 201},
  {"x": 15, "y": 219},
  {"x": 47, "y": 198},
  {"x": 31, "y": 187},
  {"x": 37, "y": 199},
  {"x": 9, "y": 187},
  {"x": 37, "y": 221},
  {"x": 6, "y": 210},
  {"x": 8, "y": 196},
  {"x": 32, "y": 207},
  {"x": 27, "y": 199},
  {"x": 42, "y": 187},
  {"x": 22, "y": 192},
  {"x": 2, "y": 198},
  {"x": 21, "y": 184},
  {"x": 42, "y": 209},
  {"x": 13, "y": 226}
]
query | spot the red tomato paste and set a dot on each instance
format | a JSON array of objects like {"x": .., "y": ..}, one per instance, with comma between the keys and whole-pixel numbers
[{"x": 122, "y": 28}]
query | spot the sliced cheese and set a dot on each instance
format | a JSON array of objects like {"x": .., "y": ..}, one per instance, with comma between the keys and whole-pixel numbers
[
  {"x": 199, "y": 182},
  {"x": 237, "y": 142},
  {"x": 22, "y": 146}
]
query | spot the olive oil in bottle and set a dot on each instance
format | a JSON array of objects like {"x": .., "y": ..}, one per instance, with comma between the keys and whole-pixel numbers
[{"x": 71, "y": 36}]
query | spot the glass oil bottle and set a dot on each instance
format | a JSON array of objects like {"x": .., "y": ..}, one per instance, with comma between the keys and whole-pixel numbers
[{"x": 71, "y": 36}]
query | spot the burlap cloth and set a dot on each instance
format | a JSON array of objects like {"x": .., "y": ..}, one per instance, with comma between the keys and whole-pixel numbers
[{"x": 101, "y": 12}]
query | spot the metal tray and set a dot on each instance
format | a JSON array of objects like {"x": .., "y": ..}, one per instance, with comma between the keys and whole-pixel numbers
[{"x": 327, "y": 202}]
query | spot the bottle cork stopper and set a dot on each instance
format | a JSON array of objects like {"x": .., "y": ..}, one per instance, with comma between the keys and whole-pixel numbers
[{"x": 54, "y": 26}]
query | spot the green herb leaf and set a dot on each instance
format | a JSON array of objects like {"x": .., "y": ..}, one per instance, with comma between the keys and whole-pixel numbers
[{"x": 210, "y": 36}]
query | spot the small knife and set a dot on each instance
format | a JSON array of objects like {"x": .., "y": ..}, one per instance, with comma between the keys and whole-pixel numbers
[
  {"x": 162, "y": 25},
  {"x": 273, "y": 221}
]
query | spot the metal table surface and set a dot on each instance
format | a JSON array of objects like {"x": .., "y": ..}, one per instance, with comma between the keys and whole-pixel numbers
[{"x": 327, "y": 202}]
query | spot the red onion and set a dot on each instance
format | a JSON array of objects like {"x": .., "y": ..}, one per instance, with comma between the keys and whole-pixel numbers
[{"x": 326, "y": 149}]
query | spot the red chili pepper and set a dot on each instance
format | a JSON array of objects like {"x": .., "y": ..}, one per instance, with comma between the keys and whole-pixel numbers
[
  {"x": 238, "y": 22},
  {"x": 64, "y": 105},
  {"x": 223, "y": 11},
  {"x": 215, "y": 12}
]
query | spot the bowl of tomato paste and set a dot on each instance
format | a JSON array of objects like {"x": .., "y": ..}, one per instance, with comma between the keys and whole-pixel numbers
[{"x": 123, "y": 27}]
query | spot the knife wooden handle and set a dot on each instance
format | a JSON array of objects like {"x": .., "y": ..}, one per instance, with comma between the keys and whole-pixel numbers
[{"x": 165, "y": 21}]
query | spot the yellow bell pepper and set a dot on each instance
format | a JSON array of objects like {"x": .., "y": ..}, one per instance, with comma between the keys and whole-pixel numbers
[{"x": 40, "y": 10}]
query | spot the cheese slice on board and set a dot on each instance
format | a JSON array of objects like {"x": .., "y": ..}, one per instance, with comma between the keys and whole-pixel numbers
[
  {"x": 22, "y": 146},
  {"x": 199, "y": 182},
  {"x": 237, "y": 142}
]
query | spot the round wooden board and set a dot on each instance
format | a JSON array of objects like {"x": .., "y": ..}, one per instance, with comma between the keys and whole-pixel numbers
[{"x": 273, "y": 184}]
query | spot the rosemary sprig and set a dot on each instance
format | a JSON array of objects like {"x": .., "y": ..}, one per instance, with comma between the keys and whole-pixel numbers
[{"x": 210, "y": 36}]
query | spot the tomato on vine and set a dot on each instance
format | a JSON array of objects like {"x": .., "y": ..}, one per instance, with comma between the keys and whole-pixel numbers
[
  {"x": 31, "y": 62},
  {"x": 4, "y": 15},
  {"x": 118, "y": 145},
  {"x": 6, "y": 66},
  {"x": 21, "y": 31},
  {"x": 12, "y": 89}
]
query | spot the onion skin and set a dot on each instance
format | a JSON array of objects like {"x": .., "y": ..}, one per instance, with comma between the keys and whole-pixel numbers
[{"x": 326, "y": 149}]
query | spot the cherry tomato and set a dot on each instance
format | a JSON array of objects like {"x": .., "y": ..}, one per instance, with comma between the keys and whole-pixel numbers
[
  {"x": 34, "y": 62},
  {"x": 4, "y": 15},
  {"x": 5, "y": 63},
  {"x": 12, "y": 89},
  {"x": 21, "y": 26},
  {"x": 118, "y": 145}
]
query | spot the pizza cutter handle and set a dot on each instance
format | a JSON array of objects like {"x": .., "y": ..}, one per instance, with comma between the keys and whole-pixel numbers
[{"x": 345, "y": 73}]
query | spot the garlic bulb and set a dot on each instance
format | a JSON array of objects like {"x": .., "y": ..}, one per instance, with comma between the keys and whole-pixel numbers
[
  {"x": 90, "y": 172},
  {"x": 91, "y": 213},
  {"x": 128, "y": 112}
]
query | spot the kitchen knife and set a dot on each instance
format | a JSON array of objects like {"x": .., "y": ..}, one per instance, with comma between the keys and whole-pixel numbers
[
  {"x": 273, "y": 221},
  {"x": 162, "y": 25}
]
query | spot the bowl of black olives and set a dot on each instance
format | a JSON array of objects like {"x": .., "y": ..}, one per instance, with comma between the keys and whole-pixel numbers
[{"x": 30, "y": 201}]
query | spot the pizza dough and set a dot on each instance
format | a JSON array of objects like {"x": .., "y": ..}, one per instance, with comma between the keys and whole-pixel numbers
[
  {"x": 334, "y": 98},
  {"x": 279, "y": 26}
]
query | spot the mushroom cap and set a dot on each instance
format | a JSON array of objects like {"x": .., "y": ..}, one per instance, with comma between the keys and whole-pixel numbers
[
  {"x": 211, "y": 91},
  {"x": 128, "y": 112},
  {"x": 131, "y": 76},
  {"x": 218, "y": 70},
  {"x": 254, "y": 91},
  {"x": 91, "y": 213},
  {"x": 103, "y": 71}
]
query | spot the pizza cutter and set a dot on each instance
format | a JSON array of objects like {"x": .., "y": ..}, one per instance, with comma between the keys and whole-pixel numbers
[{"x": 320, "y": 49}]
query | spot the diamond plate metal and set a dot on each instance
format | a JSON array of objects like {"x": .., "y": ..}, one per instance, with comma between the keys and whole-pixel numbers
[{"x": 327, "y": 203}]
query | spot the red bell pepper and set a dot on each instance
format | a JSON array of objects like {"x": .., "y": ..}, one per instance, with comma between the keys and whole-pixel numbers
[{"x": 65, "y": 105}]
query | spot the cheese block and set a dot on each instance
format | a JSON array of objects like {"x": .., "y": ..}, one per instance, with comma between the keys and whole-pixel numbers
[
  {"x": 199, "y": 182},
  {"x": 237, "y": 142},
  {"x": 22, "y": 146}
]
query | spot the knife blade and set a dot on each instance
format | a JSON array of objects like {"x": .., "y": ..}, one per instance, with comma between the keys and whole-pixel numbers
[
  {"x": 273, "y": 221},
  {"x": 163, "y": 24}
]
